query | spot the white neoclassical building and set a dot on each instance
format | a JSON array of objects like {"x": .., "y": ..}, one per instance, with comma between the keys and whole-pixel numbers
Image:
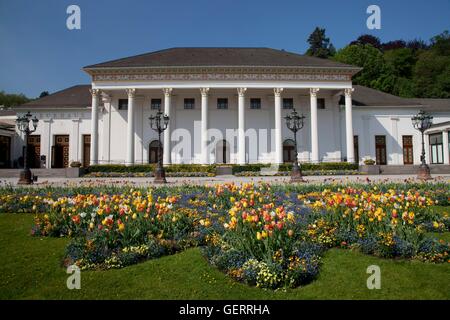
[{"x": 227, "y": 105}]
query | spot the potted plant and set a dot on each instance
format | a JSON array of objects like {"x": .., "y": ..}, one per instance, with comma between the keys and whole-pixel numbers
[
  {"x": 74, "y": 170},
  {"x": 370, "y": 167}
]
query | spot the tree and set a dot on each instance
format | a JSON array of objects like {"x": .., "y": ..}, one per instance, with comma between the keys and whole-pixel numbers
[
  {"x": 417, "y": 44},
  {"x": 431, "y": 75},
  {"x": 44, "y": 94},
  {"x": 12, "y": 100},
  {"x": 319, "y": 44},
  {"x": 391, "y": 45},
  {"x": 441, "y": 43},
  {"x": 365, "y": 56},
  {"x": 368, "y": 39},
  {"x": 402, "y": 61}
]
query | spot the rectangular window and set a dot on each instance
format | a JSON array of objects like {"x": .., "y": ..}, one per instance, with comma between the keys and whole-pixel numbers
[
  {"x": 320, "y": 103},
  {"x": 288, "y": 103},
  {"x": 255, "y": 103},
  {"x": 222, "y": 103},
  {"x": 155, "y": 104},
  {"x": 437, "y": 148},
  {"x": 408, "y": 150},
  {"x": 123, "y": 104},
  {"x": 380, "y": 149},
  {"x": 189, "y": 103}
]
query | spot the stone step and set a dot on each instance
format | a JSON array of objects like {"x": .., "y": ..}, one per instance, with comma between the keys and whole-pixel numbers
[
  {"x": 15, "y": 173},
  {"x": 224, "y": 170},
  {"x": 412, "y": 169}
]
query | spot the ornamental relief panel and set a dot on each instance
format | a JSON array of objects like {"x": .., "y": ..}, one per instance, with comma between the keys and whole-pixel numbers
[{"x": 219, "y": 76}]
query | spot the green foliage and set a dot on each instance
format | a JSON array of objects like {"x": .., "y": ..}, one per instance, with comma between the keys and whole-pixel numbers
[
  {"x": 304, "y": 166},
  {"x": 319, "y": 44},
  {"x": 11, "y": 99},
  {"x": 151, "y": 168},
  {"x": 406, "y": 69}
]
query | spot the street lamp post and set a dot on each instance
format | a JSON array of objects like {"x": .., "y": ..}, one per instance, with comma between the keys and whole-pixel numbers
[
  {"x": 422, "y": 122},
  {"x": 23, "y": 124},
  {"x": 159, "y": 123},
  {"x": 295, "y": 122}
]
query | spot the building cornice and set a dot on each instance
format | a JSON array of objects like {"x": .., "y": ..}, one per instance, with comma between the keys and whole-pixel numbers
[{"x": 223, "y": 73}]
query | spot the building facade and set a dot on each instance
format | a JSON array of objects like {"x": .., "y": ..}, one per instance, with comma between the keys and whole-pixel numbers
[{"x": 227, "y": 105}]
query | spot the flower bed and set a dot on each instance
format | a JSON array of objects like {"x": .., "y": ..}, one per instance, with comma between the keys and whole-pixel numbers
[
  {"x": 268, "y": 236},
  {"x": 304, "y": 172},
  {"x": 146, "y": 174}
]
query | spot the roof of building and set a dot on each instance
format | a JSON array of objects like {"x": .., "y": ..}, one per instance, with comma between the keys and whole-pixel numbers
[
  {"x": 365, "y": 96},
  {"x": 215, "y": 57},
  {"x": 76, "y": 96},
  {"x": 79, "y": 96}
]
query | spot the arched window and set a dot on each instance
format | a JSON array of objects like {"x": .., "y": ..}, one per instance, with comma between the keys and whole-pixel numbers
[
  {"x": 289, "y": 153},
  {"x": 153, "y": 151}
]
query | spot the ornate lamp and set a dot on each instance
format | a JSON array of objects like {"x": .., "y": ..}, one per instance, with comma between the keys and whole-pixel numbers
[
  {"x": 422, "y": 122},
  {"x": 23, "y": 124},
  {"x": 295, "y": 122},
  {"x": 159, "y": 123}
]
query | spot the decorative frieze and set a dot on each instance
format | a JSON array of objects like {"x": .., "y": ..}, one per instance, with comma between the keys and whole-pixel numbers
[{"x": 221, "y": 77}]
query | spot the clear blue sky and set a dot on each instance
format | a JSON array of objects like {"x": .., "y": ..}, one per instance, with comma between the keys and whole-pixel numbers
[{"x": 38, "y": 52}]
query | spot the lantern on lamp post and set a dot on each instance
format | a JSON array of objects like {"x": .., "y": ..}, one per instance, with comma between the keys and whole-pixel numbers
[
  {"x": 422, "y": 122},
  {"x": 159, "y": 123},
  {"x": 23, "y": 124},
  {"x": 295, "y": 122}
]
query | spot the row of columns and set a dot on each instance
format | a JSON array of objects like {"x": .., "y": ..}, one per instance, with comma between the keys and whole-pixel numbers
[{"x": 129, "y": 160}]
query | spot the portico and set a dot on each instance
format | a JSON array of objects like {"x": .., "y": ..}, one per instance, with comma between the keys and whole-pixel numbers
[{"x": 271, "y": 106}]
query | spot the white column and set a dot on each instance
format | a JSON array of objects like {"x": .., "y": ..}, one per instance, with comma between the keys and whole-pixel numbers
[
  {"x": 167, "y": 132},
  {"x": 204, "y": 136},
  {"x": 314, "y": 126},
  {"x": 94, "y": 126},
  {"x": 241, "y": 125},
  {"x": 130, "y": 127},
  {"x": 445, "y": 142},
  {"x": 106, "y": 134},
  {"x": 426, "y": 139},
  {"x": 278, "y": 130},
  {"x": 349, "y": 125}
]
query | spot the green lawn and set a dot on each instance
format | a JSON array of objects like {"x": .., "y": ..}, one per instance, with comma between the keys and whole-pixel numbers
[{"x": 30, "y": 268}]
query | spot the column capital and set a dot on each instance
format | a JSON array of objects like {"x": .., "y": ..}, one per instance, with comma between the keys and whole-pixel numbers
[
  {"x": 167, "y": 91},
  {"x": 106, "y": 98},
  {"x": 130, "y": 92},
  {"x": 348, "y": 91},
  {"x": 241, "y": 91},
  {"x": 277, "y": 91},
  {"x": 204, "y": 92},
  {"x": 95, "y": 92},
  {"x": 313, "y": 92}
]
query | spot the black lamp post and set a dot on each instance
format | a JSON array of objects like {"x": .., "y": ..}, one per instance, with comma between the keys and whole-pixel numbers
[
  {"x": 23, "y": 124},
  {"x": 422, "y": 122},
  {"x": 295, "y": 122},
  {"x": 159, "y": 123}
]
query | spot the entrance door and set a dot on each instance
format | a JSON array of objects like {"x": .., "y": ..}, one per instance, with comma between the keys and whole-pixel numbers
[
  {"x": 356, "y": 148},
  {"x": 222, "y": 152},
  {"x": 5, "y": 152},
  {"x": 380, "y": 149},
  {"x": 408, "y": 150},
  {"x": 60, "y": 152},
  {"x": 288, "y": 151},
  {"x": 153, "y": 151},
  {"x": 86, "y": 150},
  {"x": 34, "y": 151}
]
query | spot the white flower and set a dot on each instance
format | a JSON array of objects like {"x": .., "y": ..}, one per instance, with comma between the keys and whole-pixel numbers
[
  {"x": 93, "y": 214},
  {"x": 83, "y": 214}
]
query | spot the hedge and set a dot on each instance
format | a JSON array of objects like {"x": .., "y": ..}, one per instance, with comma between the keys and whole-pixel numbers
[
  {"x": 151, "y": 168},
  {"x": 304, "y": 166}
]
